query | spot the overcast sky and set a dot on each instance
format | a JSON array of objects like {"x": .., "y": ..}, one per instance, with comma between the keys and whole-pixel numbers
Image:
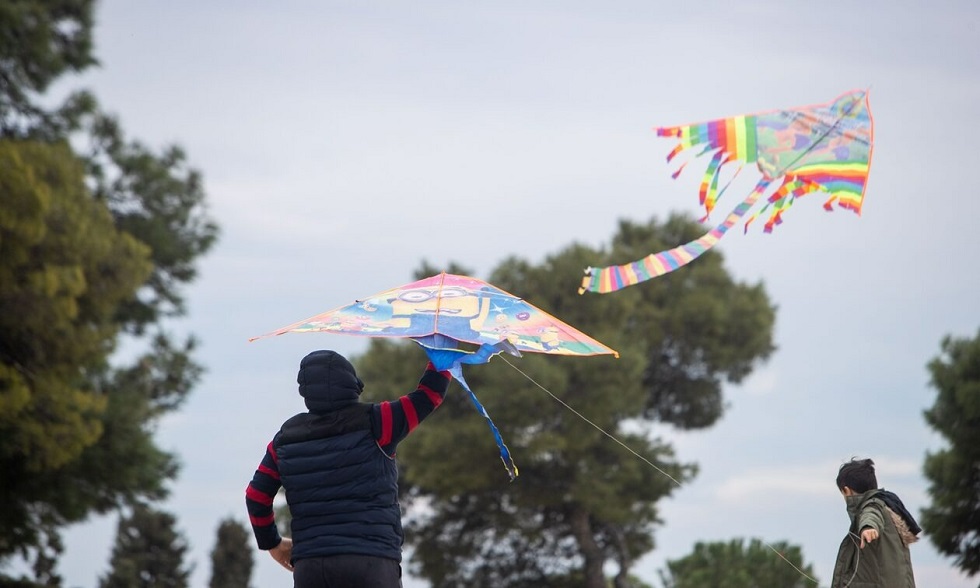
[{"x": 342, "y": 143}]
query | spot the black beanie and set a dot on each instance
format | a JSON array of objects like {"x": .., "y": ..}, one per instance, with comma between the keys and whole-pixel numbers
[{"x": 327, "y": 381}]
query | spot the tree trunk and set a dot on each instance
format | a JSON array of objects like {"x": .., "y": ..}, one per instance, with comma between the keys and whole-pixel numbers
[
  {"x": 621, "y": 580},
  {"x": 590, "y": 550}
]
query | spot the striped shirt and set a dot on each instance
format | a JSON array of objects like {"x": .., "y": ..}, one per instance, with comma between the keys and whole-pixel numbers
[{"x": 391, "y": 422}]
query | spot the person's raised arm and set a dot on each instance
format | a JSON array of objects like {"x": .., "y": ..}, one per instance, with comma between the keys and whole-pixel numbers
[
  {"x": 392, "y": 421},
  {"x": 870, "y": 522}
]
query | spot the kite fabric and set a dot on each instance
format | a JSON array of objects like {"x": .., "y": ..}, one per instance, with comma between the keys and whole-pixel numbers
[
  {"x": 822, "y": 148},
  {"x": 442, "y": 312}
]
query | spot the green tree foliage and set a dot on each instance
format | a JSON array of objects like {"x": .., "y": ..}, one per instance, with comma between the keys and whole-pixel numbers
[
  {"x": 64, "y": 272},
  {"x": 39, "y": 42},
  {"x": 149, "y": 552},
  {"x": 582, "y": 500},
  {"x": 231, "y": 558},
  {"x": 952, "y": 520},
  {"x": 724, "y": 329},
  {"x": 736, "y": 565},
  {"x": 22, "y": 582},
  {"x": 161, "y": 201},
  {"x": 98, "y": 236}
]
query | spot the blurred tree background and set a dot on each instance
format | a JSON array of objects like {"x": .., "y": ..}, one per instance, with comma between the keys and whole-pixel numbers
[
  {"x": 231, "y": 558},
  {"x": 99, "y": 235},
  {"x": 149, "y": 552},
  {"x": 737, "y": 565},
  {"x": 952, "y": 520},
  {"x": 583, "y": 501}
]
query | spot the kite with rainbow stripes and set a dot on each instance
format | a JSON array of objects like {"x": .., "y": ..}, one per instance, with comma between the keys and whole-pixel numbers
[{"x": 822, "y": 148}]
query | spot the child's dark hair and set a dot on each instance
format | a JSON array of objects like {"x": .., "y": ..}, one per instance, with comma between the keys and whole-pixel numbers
[{"x": 858, "y": 475}]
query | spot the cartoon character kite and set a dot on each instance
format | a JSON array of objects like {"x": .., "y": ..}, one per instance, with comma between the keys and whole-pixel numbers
[
  {"x": 822, "y": 148},
  {"x": 443, "y": 312}
]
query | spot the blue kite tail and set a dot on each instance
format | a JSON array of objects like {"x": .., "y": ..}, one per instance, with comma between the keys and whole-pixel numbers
[
  {"x": 457, "y": 372},
  {"x": 444, "y": 355}
]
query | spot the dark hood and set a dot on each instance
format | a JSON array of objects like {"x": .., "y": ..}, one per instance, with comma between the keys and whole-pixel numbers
[
  {"x": 327, "y": 381},
  {"x": 895, "y": 503}
]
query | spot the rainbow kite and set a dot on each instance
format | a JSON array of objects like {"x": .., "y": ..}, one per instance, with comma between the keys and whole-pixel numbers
[{"x": 822, "y": 148}]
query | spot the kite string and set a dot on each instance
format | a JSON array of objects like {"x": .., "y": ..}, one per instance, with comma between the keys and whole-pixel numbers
[
  {"x": 648, "y": 462},
  {"x": 857, "y": 558},
  {"x": 600, "y": 429}
]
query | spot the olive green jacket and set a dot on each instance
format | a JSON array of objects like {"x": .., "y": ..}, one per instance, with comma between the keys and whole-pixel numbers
[{"x": 883, "y": 563}]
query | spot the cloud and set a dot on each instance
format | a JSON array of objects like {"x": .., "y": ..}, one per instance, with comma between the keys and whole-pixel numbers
[
  {"x": 762, "y": 382},
  {"x": 805, "y": 481}
]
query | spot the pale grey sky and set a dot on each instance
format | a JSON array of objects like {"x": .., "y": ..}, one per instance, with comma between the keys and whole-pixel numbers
[{"x": 344, "y": 142}]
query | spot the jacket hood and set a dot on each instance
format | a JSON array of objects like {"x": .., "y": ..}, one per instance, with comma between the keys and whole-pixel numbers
[
  {"x": 327, "y": 381},
  {"x": 905, "y": 524}
]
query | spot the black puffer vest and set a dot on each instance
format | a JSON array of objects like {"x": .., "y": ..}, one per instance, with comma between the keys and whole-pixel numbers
[{"x": 342, "y": 490}]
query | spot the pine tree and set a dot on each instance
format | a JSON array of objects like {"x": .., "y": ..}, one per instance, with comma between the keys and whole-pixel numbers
[
  {"x": 583, "y": 504},
  {"x": 148, "y": 553},
  {"x": 98, "y": 236},
  {"x": 735, "y": 565},
  {"x": 231, "y": 558},
  {"x": 952, "y": 520}
]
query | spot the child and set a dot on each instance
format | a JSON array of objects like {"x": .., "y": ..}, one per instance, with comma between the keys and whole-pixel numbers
[{"x": 875, "y": 551}]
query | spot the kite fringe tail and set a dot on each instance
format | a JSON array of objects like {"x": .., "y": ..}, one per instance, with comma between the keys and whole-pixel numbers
[{"x": 616, "y": 277}]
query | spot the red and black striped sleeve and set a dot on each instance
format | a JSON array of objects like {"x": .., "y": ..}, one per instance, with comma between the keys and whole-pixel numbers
[
  {"x": 392, "y": 421},
  {"x": 259, "y": 496}
]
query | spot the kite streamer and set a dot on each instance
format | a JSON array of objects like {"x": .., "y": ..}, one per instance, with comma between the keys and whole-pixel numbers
[{"x": 823, "y": 148}]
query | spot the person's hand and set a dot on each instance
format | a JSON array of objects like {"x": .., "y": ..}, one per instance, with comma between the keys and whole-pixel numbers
[
  {"x": 283, "y": 552},
  {"x": 445, "y": 373},
  {"x": 867, "y": 536}
]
